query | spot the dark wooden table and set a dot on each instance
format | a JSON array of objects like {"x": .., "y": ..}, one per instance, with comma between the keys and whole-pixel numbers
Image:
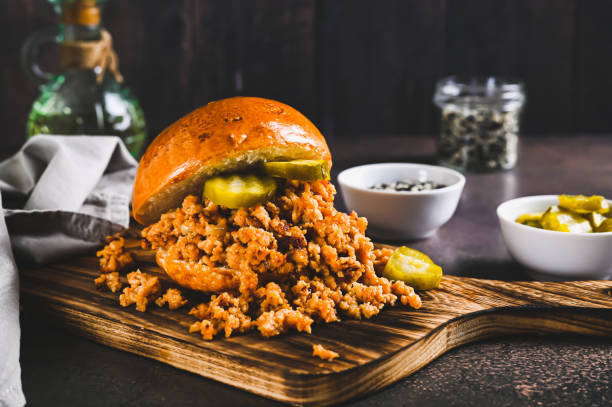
[{"x": 62, "y": 369}]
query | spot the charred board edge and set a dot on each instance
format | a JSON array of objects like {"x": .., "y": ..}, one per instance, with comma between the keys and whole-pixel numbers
[{"x": 320, "y": 389}]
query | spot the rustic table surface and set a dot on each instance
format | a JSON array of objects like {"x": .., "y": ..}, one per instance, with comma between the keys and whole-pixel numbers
[{"x": 59, "y": 368}]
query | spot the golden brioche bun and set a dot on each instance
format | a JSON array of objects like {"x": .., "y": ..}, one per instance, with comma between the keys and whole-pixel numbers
[{"x": 223, "y": 136}]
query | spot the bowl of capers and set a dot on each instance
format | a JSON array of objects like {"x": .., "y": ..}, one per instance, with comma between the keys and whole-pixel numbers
[
  {"x": 402, "y": 201},
  {"x": 559, "y": 237}
]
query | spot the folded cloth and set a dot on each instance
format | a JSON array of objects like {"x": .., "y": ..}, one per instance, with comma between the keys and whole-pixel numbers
[
  {"x": 62, "y": 195},
  {"x": 10, "y": 372}
]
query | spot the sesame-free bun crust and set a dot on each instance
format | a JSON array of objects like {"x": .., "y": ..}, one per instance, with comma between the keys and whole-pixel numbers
[{"x": 223, "y": 136}]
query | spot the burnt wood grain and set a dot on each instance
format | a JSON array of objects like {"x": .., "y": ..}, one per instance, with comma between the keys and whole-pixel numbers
[{"x": 373, "y": 353}]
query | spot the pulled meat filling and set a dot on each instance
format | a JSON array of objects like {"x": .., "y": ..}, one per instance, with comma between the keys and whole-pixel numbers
[
  {"x": 299, "y": 260},
  {"x": 323, "y": 353},
  {"x": 173, "y": 298},
  {"x": 113, "y": 256},
  {"x": 142, "y": 290},
  {"x": 111, "y": 280}
]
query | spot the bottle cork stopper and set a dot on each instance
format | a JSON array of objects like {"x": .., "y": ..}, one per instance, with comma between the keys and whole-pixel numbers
[{"x": 81, "y": 12}]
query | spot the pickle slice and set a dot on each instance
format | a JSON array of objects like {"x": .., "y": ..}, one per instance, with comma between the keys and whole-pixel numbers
[
  {"x": 239, "y": 191},
  {"x": 584, "y": 204},
  {"x": 595, "y": 218},
  {"x": 529, "y": 217},
  {"x": 606, "y": 226},
  {"x": 303, "y": 170},
  {"x": 533, "y": 224},
  {"x": 562, "y": 220},
  {"x": 414, "y": 268}
]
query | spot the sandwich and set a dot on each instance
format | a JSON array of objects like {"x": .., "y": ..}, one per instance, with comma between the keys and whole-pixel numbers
[{"x": 237, "y": 203}]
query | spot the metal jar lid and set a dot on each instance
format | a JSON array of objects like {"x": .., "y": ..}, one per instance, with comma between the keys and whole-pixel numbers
[{"x": 502, "y": 93}]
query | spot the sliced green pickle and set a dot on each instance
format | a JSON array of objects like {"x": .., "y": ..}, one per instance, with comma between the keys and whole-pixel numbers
[
  {"x": 606, "y": 226},
  {"x": 533, "y": 224},
  {"x": 562, "y": 220},
  {"x": 595, "y": 219},
  {"x": 239, "y": 191},
  {"x": 529, "y": 217},
  {"x": 303, "y": 170},
  {"x": 584, "y": 204},
  {"x": 414, "y": 268}
]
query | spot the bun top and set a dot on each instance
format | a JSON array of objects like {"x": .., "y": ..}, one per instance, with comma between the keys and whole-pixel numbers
[{"x": 223, "y": 136}]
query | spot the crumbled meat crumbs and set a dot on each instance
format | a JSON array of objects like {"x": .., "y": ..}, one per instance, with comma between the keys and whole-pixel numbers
[
  {"x": 325, "y": 354},
  {"x": 143, "y": 288},
  {"x": 173, "y": 298},
  {"x": 299, "y": 261},
  {"x": 113, "y": 256},
  {"x": 111, "y": 280}
]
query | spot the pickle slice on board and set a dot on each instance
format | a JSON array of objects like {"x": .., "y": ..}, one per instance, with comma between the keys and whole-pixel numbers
[
  {"x": 414, "y": 268},
  {"x": 303, "y": 170},
  {"x": 562, "y": 220},
  {"x": 584, "y": 204},
  {"x": 239, "y": 191}
]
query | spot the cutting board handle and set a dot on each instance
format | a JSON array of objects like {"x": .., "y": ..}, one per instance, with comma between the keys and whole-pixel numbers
[{"x": 529, "y": 307}]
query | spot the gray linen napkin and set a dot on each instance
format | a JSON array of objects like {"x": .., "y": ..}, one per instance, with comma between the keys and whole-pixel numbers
[
  {"x": 62, "y": 195},
  {"x": 10, "y": 372}
]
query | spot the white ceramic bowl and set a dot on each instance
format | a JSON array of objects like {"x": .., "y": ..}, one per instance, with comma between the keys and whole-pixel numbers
[
  {"x": 401, "y": 215},
  {"x": 550, "y": 254}
]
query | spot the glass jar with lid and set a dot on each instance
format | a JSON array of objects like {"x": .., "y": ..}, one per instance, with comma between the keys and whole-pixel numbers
[{"x": 480, "y": 122}]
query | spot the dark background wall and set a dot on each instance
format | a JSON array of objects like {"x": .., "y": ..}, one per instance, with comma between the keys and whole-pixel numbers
[{"x": 353, "y": 67}]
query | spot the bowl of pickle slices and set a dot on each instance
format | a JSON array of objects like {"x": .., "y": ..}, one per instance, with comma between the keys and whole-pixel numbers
[{"x": 559, "y": 236}]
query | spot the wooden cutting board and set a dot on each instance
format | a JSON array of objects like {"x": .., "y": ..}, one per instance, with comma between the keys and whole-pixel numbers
[{"x": 373, "y": 353}]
